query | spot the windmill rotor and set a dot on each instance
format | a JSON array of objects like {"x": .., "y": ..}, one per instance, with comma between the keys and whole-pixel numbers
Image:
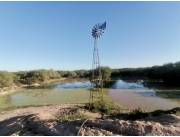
[{"x": 98, "y": 30}]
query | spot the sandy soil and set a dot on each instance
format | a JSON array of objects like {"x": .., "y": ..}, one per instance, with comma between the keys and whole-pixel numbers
[
  {"x": 43, "y": 121},
  {"x": 9, "y": 90},
  {"x": 15, "y": 88}
]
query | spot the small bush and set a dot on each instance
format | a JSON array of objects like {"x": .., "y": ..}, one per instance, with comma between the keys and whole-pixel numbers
[
  {"x": 6, "y": 79},
  {"x": 133, "y": 115},
  {"x": 137, "y": 114},
  {"x": 104, "y": 107},
  {"x": 71, "y": 117},
  {"x": 100, "y": 106}
]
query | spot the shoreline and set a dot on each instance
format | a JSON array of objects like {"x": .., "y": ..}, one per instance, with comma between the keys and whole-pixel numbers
[{"x": 9, "y": 90}]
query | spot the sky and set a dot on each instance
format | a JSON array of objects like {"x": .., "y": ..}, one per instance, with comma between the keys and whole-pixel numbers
[{"x": 57, "y": 35}]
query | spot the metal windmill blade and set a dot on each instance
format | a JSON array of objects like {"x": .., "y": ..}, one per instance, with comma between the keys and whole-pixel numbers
[{"x": 98, "y": 30}]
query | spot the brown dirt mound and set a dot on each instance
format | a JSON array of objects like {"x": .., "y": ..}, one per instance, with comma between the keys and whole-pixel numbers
[{"x": 42, "y": 121}]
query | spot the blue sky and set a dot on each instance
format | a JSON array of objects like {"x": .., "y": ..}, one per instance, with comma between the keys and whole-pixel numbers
[{"x": 57, "y": 35}]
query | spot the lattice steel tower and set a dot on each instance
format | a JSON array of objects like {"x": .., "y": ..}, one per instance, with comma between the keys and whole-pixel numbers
[{"x": 96, "y": 79}]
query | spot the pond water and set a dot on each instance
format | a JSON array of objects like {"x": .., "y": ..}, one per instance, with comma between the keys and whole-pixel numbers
[
  {"x": 135, "y": 95},
  {"x": 131, "y": 95}
]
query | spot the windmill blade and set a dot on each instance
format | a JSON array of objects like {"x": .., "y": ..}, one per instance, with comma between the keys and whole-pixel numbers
[{"x": 97, "y": 30}]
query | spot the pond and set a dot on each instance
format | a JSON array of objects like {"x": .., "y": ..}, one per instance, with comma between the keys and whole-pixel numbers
[{"x": 131, "y": 95}]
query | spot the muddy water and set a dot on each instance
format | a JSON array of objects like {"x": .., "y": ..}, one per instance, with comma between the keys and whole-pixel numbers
[
  {"x": 130, "y": 95},
  {"x": 77, "y": 92},
  {"x": 135, "y": 95},
  {"x": 133, "y": 99}
]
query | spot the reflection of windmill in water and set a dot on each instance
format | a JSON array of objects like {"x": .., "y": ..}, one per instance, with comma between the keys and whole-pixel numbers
[{"x": 97, "y": 91}]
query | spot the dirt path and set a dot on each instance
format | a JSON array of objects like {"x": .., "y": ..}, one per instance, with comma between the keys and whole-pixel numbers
[{"x": 43, "y": 121}]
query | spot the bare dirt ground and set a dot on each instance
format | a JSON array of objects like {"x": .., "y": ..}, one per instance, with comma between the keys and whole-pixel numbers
[{"x": 44, "y": 121}]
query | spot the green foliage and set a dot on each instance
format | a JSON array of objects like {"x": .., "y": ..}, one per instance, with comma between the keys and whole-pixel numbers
[
  {"x": 106, "y": 76},
  {"x": 168, "y": 73},
  {"x": 75, "y": 74},
  {"x": 137, "y": 113},
  {"x": 106, "y": 73},
  {"x": 68, "y": 74},
  {"x": 104, "y": 107},
  {"x": 71, "y": 117},
  {"x": 100, "y": 106},
  {"x": 6, "y": 79},
  {"x": 37, "y": 76},
  {"x": 72, "y": 74},
  {"x": 82, "y": 73}
]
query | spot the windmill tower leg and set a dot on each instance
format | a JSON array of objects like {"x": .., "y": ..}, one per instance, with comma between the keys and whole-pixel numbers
[{"x": 96, "y": 93}]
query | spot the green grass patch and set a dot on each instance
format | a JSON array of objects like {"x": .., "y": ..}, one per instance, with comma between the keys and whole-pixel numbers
[
  {"x": 71, "y": 117},
  {"x": 105, "y": 106}
]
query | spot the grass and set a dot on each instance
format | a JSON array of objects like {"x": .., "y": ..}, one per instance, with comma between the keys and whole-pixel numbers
[
  {"x": 106, "y": 106},
  {"x": 71, "y": 117},
  {"x": 168, "y": 93}
]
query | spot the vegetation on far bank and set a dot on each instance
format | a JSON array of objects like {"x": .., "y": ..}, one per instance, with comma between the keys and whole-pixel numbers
[
  {"x": 8, "y": 79},
  {"x": 169, "y": 74}
]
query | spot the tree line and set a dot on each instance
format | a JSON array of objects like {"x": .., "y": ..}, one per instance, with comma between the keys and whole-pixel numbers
[
  {"x": 40, "y": 76},
  {"x": 168, "y": 73}
]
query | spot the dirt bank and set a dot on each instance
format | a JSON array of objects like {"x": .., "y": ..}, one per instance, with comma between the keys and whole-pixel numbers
[
  {"x": 50, "y": 120},
  {"x": 12, "y": 89},
  {"x": 16, "y": 88}
]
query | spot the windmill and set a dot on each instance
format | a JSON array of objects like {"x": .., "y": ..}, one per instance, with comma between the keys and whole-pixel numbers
[{"x": 96, "y": 80}]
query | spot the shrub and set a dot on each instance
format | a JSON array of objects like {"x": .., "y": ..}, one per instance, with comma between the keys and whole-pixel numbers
[
  {"x": 6, "y": 79},
  {"x": 104, "y": 107},
  {"x": 37, "y": 76},
  {"x": 71, "y": 117},
  {"x": 106, "y": 73}
]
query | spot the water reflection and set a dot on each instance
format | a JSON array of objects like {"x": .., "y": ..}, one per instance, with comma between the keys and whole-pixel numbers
[
  {"x": 130, "y": 94},
  {"x": 50, "y": 96},
  {"x": 135, "y": 94},
  {"x": 76, "y": 92},
  {"x": 130, "y": 99},
  {"x": 147, "y": 91},
  {"x": 37, "y": 92},
  {"x": 74, "y": 85},
  {"x": 120, "y": 84}
]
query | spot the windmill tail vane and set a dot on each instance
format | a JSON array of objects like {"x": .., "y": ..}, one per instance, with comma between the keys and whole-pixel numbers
[{"x": 103, "y": 26}]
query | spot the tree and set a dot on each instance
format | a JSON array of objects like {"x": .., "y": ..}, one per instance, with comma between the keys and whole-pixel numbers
[
  {"x": 6, "y": 79},
  {"x": 106, "y": 73}
]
